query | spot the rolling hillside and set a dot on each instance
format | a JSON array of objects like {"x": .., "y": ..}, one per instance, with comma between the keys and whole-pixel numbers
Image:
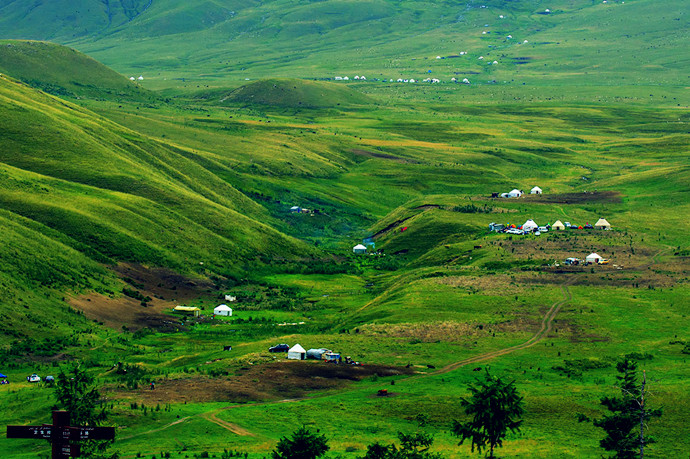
[{"x": 100, "y": 193}]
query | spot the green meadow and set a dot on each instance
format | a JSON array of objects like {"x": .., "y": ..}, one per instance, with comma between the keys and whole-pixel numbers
[{"x": 122, "y": 199}]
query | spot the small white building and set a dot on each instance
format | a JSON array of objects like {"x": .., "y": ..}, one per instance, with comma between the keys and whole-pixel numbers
[
  {"x": 593, "y": 258},
  {"x": 359, "y": 249},
  {"x": 558, "y": 226},
  {"x": 514, "y": 193},
  {"x": 296, "y": 352},
  {"x": 465, "y": 81},
  {"x": 140, "y": 78},
  {"x": 535, "y": 190},
  {"x": 222, "y": 310}
]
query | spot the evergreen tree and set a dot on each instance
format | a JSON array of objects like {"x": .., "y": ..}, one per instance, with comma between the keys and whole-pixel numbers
[
  {"x": 495, "y": 408},
  {"x": 77, "y": 394},
  {"x": 625, "y": 424},
  {"x": 302, "y": 445}
]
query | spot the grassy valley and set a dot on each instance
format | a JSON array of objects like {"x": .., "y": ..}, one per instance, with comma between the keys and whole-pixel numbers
[{"x": 121, "y": 200}]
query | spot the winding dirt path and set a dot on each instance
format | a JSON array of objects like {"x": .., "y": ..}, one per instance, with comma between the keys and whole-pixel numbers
[
  {"x": 546, "y": 326},
  {"x": 234, "y": 428}
]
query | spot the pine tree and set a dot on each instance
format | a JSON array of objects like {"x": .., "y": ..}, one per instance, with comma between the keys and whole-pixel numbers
[
  {"x": 77, "y": 394},
  {"x": 496, "y": 408},
  {"x": 625, "y": 425},
  {"x": 302, "y": 445}
]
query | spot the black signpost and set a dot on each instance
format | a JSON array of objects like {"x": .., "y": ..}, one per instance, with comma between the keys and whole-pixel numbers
[{"x": 60, "y": 434}]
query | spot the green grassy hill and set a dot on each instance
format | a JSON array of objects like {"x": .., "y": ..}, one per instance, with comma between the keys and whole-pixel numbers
[
  {"x": 106, "y": 194},
  {"x": 293, "y": 93},
  {"x": 63, "y": 71}
]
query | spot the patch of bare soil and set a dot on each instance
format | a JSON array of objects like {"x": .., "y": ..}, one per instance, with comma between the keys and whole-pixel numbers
[
  {"x": 128, "y": 312},
  {"x": 271, "y": 381},
  {"x": 166, "y": 288},
  {"x": 163, "y": 283},
  {"x": 609, "y": 197}
]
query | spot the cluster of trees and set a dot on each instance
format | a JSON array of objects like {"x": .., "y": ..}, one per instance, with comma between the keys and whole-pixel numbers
[{"x": 494, "y": 407}]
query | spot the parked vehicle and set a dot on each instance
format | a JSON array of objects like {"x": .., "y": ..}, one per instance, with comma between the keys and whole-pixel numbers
[
  {"x": 33, "y": 378},
  {"x": 514, "y": 231},
  {"x": 279, "y": 348},
  {"x": 543, "y": 229}
]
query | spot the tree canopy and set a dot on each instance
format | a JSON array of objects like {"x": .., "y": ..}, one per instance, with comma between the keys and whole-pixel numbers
[
  {"x": 625, "y": 424},
  {"x": 303, "y": 444},
  {"x": 495, "y": 408}
]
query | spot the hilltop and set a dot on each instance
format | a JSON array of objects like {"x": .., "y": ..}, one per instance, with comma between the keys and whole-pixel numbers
[
  {"x": 294, "y": 93},
  {"x": 63, "y": 71}
]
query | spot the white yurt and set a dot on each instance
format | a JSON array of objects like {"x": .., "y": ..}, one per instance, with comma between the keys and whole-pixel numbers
[
  {"x": 535, "y": 190},
  {"x": 529, "y": 225},
  {"x": 222, "y": 310},
  {"x": 515, "y": 193},
  {"x": 297, "y": 352},
  {"x": 602, "y": 224},
  {"x": 359, "y": 249},
  {"x": 593, "y": 258},
  {"x": 558, "y": 226}
]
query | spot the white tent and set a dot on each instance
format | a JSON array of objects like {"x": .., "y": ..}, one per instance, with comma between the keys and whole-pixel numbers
[
  {"x": 297, "y": 352},
  {"x": 602, "y": 224},
  {"x": 559, "y": 226},
  {"x": 222, "y": 310},
  {"x": 359, "y": 248},
  {"x": 593, "y": 258},
  {"x": 535, "y": 190},
  {"x": 529, "y": 225},
  {"x": 515, "y": 193}
]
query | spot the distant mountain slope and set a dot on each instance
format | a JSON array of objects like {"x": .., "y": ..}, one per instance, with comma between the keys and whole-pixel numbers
[
  {"x": 64, "y": 71},
  {"x": 573, "y": 43}
]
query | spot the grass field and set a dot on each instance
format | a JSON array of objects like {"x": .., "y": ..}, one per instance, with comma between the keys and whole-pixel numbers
[{"x": 118, "y": 203}]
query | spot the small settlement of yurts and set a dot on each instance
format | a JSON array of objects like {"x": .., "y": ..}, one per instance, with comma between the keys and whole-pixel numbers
[
  {"x": 297, "y": 352},
  {"x": 222, "y": 310}
]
